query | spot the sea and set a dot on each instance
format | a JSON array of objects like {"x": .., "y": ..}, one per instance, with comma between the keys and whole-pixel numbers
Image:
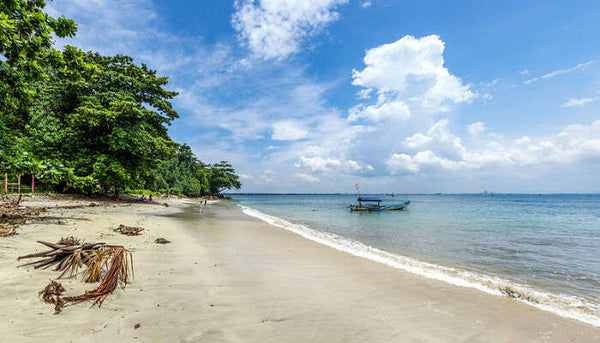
[{"x": 540, "y": 249}]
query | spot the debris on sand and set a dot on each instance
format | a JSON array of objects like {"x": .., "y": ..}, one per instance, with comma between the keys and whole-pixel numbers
[
  {"x": 129, "y": 230},
  {"x": 12, "y": 214},
  {"x": 161, "y": 241},
  {"x": 119, "y": 269},
  {"x": 51, "y": 294},
  {"x": 8, "y": 230},
  {"x": 69, "y": 254},
  {"x": 110, "y": 264}
]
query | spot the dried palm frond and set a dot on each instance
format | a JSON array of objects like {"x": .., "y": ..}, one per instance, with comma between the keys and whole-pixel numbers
[
  {"x": 51, "y": 294},
  {"x": 69, "y": 241},
  {"x": 120, "y": 265},
  {"x": 96, "y": 262},
  {"x": 129, "y": 230},
  {"x": 69, "y": 256}
]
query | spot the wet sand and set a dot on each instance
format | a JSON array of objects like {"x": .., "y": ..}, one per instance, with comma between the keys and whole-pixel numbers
[{"x": 228, "y": 277}]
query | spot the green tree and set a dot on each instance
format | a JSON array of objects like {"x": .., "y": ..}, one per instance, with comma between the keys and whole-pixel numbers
[
  {"x": 184, "y": 173},
  {"x": 104, "y": 117},
  {"x": 222, "y": 176},
  {"x": 25, "y": 53}
]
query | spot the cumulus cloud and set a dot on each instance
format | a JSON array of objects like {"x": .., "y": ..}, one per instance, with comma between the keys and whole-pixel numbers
[
  {"x": 276, "y": 29},
  {"x": 408, "y": 72},
  {"x": 578, "y": 102},
  {"x": 317, "y": 164},
  {"x": 382, "y": 110},
  {"x": 288, "y": 131},
  {"x": 572, "y": 144},
  {"x": 477, "y": 128}
]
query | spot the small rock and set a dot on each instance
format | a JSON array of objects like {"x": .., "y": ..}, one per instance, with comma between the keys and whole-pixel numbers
[
  {"x": 137, "y": 326},
  {"x": 161, "y": 241}
]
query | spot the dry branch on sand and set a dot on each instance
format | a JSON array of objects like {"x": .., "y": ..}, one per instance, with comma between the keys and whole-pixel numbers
[
  {"x": 120, "y": 266},
  {"x": 8, "y": 230},
  {"x": 129, "y": 230},
  {"x": 69, "y": 254},
  {"x": 109, "y": 264},
  {"x": 12, "y": 214},
  {"x": 51, "y": 295}
]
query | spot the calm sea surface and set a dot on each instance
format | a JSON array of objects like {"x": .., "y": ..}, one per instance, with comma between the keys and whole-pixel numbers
[{"x": 539, "y": 249}]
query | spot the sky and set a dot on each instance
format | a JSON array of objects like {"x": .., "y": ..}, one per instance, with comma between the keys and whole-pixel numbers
[{"x": 423, "y": 96}]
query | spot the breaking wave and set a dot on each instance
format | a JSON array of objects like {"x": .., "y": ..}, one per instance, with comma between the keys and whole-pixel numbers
[{"x": 563, "y": 305}]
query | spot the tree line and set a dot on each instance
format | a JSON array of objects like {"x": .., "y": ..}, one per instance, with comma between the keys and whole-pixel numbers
[{"x": 79, "y": 120}]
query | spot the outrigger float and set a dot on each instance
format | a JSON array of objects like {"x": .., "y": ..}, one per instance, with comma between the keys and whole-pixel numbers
[{"x": 369, "y": 205}]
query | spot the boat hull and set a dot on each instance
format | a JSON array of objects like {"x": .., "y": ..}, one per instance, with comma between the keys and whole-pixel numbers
[{"x": 376, "y": 208}]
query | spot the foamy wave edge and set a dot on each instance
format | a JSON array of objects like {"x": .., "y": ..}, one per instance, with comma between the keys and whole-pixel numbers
[{"x": 562, "y": 305}]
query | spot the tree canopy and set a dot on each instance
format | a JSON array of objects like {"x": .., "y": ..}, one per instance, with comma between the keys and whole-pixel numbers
[{"x": 80, "y": 119}]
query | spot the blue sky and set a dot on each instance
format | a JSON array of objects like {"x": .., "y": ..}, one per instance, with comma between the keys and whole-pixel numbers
[{"x": 399, "y": 96}]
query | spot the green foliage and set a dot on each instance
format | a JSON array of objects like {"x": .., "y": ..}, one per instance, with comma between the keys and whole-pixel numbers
[
  {"x": 103, "y": 116},
  {"x": 183, "y": 173},
  {"x": 77, "y": 119},
  {"x": 222, "y": 176},
  {"x": 25, "y": 54}
]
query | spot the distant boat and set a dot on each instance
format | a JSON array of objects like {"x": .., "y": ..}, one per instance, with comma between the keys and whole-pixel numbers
[{"x": 374, "y": 204}]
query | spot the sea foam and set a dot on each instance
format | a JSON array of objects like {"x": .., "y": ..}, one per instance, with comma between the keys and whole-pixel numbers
[{"x": 562, "y": 305}]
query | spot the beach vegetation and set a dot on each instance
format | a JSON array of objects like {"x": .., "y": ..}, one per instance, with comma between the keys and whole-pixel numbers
[{"x": 81, "y": 120}]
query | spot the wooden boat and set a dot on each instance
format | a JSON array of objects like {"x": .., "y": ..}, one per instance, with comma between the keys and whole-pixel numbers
[{"x": 374, "y": 204}]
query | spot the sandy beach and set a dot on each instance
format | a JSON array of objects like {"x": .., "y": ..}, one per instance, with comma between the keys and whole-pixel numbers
[{"x": 228, "y": 277}]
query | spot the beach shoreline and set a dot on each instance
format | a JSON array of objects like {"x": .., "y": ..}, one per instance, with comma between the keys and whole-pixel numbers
[{"x": 226, "y": 276}]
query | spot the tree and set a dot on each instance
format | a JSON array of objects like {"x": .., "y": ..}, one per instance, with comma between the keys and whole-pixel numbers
[
  {"x": 25, "y": 51},
  {"x": 222, "y": 176},
  {"x": 104, "y": 117},
  {"x": 183, "y": 173}
]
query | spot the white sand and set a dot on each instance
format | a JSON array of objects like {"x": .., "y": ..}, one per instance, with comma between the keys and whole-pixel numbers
[{"x": 227, "y": 277}]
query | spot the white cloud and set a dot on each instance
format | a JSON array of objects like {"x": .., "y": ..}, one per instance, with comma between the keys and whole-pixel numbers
[
  {"x": 417, "y": 140},
  {"x": 366, "y": 4},
  {"x": 276, "y": 29},
  {"x": 317, "y": 164},
  {"x": 477, "y": 128},
  {"x": 567, "y": 70},
  {"x": 572, "y": 144},
  {"x": 308, "y": 178},
  {"x": 408, "y": 71},
  {"x": 578, "y": 102},
  {"x": 559, "y": 72},
  {"x": 288, "y": 131},
  {"x": 398, "y": 163},
  {"x": 109, "y": 26},
  {"x": 382, "y": 110},
  {"x": 524, "y": 72}
]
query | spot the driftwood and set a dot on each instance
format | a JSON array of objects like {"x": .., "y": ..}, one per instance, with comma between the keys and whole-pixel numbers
[{"x": 129, "y": 230}]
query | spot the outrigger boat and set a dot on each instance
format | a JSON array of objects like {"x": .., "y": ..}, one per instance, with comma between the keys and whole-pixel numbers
[{"x": 371, "y": 206}]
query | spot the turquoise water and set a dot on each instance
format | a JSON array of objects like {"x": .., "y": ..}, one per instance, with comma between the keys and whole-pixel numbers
[{"x": 539, "y": 249}]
